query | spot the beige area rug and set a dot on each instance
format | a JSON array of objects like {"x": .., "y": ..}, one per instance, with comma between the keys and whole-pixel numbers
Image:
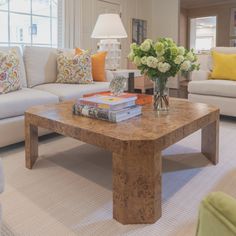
[{"x": 69, "y": 192}]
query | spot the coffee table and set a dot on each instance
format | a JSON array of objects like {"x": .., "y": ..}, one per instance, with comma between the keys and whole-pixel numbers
[{"x": 136, "y": 146}]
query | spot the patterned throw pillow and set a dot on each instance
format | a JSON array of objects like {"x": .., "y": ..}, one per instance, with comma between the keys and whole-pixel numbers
[
  {"x": 74, "y": 69},
  {"x": 9, "y": 72}
]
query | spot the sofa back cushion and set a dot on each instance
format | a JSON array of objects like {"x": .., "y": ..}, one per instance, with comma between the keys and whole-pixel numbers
[
  {"x": 40, "y": 64},
  {"x": 225, "y": 50},
  {"x": 21, "y": 63}
]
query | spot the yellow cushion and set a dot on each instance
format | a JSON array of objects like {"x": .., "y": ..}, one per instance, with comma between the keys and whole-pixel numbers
[
  {"x": 224, "y": 66},
  {"x": 98, "y": 65}
]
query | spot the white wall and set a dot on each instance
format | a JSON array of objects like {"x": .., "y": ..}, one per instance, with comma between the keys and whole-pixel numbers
[
  {"x": 165, "y": 19},
  {"x": 165, "y": 23},
  {"x": 140, "y": 9}
]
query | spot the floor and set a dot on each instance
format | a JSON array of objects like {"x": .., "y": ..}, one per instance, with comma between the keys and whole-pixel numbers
[{"x": 69, "y": 192}]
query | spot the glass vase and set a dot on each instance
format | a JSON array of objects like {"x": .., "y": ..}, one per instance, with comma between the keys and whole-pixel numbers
[{"x": 160, "y": 95}]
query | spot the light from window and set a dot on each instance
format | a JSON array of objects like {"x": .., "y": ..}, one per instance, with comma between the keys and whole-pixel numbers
[
  {"x": 203, "y": 33},
  {"x": 29, "y": 22}
]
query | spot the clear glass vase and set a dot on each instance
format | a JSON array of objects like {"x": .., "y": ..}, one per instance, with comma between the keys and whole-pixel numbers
[{"x": 160, "y": 95}]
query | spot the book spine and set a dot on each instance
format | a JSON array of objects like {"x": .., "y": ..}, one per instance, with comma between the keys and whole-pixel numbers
[
  {"x": 84, "y": 110},
  {"x": 106, "y": 106},
  {"x": 122, "y": 106},
  {"x": 130, "y": 113},
  {"x": 93, "y": 104},
  {"x": 112, "y": 116}
]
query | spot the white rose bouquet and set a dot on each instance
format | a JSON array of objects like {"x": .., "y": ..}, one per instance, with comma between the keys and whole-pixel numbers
[{"x": 162, "y": 59}]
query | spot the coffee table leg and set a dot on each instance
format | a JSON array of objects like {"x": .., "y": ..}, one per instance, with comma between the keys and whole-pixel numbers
[
  {"x": 31, "y": 144},
  {"x": 137, "y": 188},
  {"x": 210, "y": 142}
]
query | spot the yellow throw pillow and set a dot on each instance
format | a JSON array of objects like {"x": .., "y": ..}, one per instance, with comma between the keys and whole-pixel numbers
[
  {"x": 98, "y": 65},
  {"x": 224, "y": 66}
]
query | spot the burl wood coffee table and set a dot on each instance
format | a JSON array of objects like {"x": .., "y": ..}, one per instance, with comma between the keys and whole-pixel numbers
[{"x": 136, "y": 147}]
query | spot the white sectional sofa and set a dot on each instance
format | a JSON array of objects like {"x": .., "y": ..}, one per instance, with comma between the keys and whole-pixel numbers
[
  {"x": 221, "y": 93},
  {"x": 38, "y": 68}
]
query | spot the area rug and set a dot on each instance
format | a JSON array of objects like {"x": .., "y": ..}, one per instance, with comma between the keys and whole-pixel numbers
[{"x": 69, "y": 191}]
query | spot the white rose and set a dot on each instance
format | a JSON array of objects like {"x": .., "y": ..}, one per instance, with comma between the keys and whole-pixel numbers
[
  {"x": 186, "y": 66},
  {"x": 145, "y": 46},
  {"x": 179, "y": 59},
  {"x": 163, "y": 67},
  {"x": 131, "y": 56},
  {"x": 152, "y": 62},
  {"x": 161, "y": 59},
  {"x": 190, "y": 56},
  {"x": 133, "y": 46},
  {"x": 144, "y": 60},
  {"x": 181, "y": 50},
  {"x": 137, "y": 61}
]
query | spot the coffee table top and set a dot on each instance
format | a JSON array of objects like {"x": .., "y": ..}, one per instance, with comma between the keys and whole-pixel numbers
[{"x": 184, "y": 116}]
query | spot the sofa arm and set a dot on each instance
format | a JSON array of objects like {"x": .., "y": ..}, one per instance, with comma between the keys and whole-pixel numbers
[
  {"x": 109, "y": 75},
  {"x": 217, "y": 215},
  {"x": 200, "y": 75}
]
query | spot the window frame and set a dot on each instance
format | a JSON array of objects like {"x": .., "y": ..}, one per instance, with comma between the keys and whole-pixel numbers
[
  {"x": 31, "y": 15},
  {"x": 189, "y": 32}
]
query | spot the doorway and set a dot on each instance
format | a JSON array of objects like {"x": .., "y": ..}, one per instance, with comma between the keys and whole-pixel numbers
[{"x": 202, "y": 33}]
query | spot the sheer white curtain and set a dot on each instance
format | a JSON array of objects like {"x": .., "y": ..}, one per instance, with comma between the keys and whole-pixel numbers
[{"x": 71, "y": 15}]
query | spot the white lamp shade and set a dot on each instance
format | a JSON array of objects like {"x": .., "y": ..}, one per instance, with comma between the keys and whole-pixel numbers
[{"x": 109, "y": 26}]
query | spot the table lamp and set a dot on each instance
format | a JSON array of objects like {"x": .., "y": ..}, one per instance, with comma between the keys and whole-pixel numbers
[{"x": 109, "y": 28}]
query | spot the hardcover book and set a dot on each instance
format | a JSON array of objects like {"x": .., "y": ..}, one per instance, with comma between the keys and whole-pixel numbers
[
  {"x": 109, "y": 102},
  {"x": 104, "y": 114},
  {"x": 142, "y": 99}
]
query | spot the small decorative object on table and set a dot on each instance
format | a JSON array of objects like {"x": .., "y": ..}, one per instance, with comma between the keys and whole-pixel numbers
[
  {"x": 160, "y": 60},
  {"x": 117, "y": 85}
]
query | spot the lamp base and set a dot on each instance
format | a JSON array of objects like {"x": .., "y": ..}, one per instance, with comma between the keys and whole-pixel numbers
[{"x": 113, "y": 49}]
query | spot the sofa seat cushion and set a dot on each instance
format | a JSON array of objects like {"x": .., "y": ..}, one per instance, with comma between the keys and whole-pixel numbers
[
  {"x": 223, "y": 88},
  {"x": 15, "y": 103},
  {"x": 73, "y": 91}
]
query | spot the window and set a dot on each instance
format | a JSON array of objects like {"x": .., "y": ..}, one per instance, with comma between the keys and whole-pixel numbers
[
  {"x": 203, "y": 33},
  {"x": 29, "y": 22}
]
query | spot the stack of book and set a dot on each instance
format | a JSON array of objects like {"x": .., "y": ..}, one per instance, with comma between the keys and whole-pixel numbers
[{"x": 108, "y": 107}]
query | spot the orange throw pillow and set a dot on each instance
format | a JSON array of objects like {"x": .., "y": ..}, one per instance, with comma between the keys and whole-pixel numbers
[
  {"x": 98, "y": 65},
  {"x": 78, "y": 51}
]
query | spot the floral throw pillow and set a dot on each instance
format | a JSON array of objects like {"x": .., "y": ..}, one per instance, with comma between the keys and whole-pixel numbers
[
  {"x": 74, "y": 69},
  {"x": 9, "y": 72}
]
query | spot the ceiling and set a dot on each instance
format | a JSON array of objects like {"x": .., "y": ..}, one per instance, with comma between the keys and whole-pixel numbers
[{"x": 202, "y": 3}]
